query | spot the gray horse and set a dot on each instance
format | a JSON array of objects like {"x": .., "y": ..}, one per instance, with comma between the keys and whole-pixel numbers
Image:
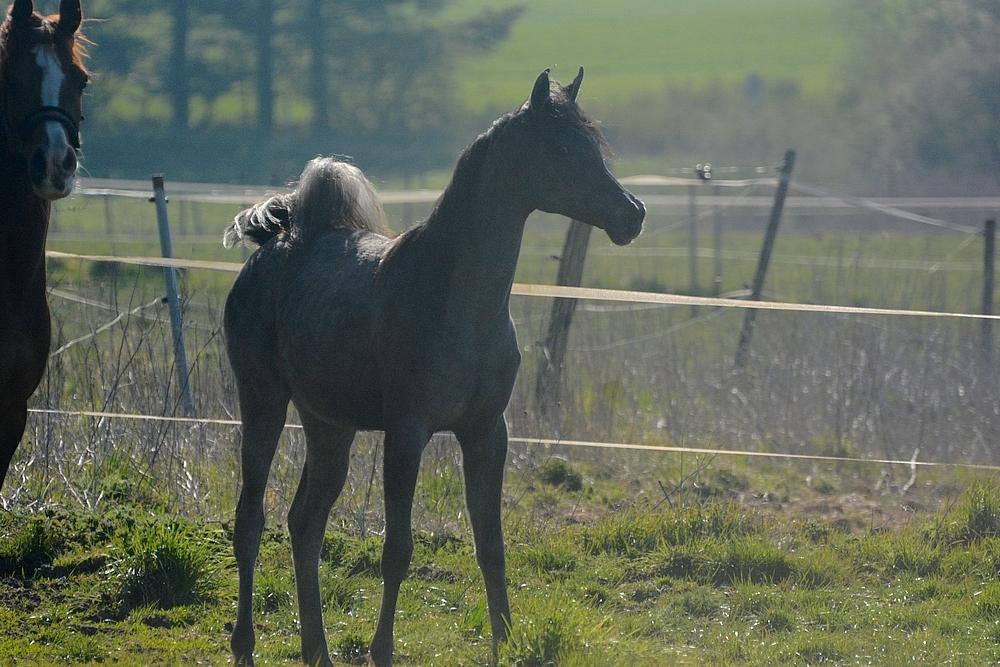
[{"x": 410, "y": 336}]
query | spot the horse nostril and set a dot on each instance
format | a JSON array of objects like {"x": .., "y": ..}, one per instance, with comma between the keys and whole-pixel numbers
[{"x": 69, "y": 164}]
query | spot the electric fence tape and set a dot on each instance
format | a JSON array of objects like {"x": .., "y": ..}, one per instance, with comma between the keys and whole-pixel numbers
[{"x": 553, "y": 442}]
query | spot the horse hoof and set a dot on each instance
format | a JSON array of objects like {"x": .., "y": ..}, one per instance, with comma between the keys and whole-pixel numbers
[
  {"x": 317, "y": 660},
  {"x": 242, "y": 650},
  {"x": 379, "y": 662}
]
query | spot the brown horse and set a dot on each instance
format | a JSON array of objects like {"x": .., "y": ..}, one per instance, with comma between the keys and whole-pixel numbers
[
  {"x": 409, "y": 336},
  {"x": 42, "y": 78}
]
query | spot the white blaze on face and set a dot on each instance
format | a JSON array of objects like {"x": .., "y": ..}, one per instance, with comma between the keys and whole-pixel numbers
[{"x": 52, "y": 82}]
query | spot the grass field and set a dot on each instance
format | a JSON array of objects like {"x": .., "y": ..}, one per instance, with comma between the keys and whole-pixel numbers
[
  {"x": 117, "y": 547},
  {"x": 647, "y": 46},
  {"x": 721, "y": 564}
]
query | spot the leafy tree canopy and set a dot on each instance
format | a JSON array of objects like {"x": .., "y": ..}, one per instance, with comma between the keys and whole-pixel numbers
[{"x": 925, "y": 78}]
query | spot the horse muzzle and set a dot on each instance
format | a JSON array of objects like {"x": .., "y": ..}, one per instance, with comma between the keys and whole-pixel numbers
[
  {"x": 53, "y": 162},
  {"x": 626, "y": 223}
]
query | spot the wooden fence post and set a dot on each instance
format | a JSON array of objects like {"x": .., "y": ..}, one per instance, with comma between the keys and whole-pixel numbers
[
  {"x": 765, "y": 257},
  {"x": 173, "y": 298},
  {"x": 989, "y": 256},
  {"x": 548, "y": 385}
]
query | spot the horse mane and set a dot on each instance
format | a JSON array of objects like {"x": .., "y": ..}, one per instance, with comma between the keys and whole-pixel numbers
[
  {"x": 471, "y": 160},
  {"x": 469, "y": 165}
]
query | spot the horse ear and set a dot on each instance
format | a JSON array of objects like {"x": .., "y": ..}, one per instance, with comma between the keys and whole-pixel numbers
[
  {"x": 540, "y": 93},
  {"x": 70, "y": 16},
  {"x": 21, "y": 9},
  {"x": 573, "y": 89}
]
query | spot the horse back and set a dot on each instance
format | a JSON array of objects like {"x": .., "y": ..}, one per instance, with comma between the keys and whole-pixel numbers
[{"x": 324, "y": 324}]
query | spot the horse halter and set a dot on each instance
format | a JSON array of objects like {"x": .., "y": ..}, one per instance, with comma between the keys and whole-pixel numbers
[{"x": 44, "y": 114}]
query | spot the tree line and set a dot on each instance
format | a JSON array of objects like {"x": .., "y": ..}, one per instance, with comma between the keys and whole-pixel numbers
[{"x": 302, "y": 63}]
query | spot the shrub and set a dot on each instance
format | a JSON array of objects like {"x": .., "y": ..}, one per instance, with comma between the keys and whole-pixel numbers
[
  {"x": 549, "y": 557},
  {"x": 364, "y": 558},
  {"x": 31, "y": 546},
  {"x": 339, "y": 593},
  {"x": 164, "y": 565},
  {"x": 557, "y": 472},
  {"x": 988, "y": 602},
  {"x": 820, "y": 568},
  {"x": 751, "y": 560},
  {"x": 352, "y": 649},
  {"x": 541, "y": 643},
  {"x": 272, "y": 592},
  {"x": 632, "y": 533},
  {"x": 901, "y": 552},
  {"x": 976, "y": 517},
  {"x": 334, "y": 549},
  {"x": 698, "y": 603},
  {"x": 776, "y": 620}
]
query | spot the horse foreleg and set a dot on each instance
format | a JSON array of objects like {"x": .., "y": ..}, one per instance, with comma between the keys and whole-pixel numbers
[
  {"x": 403, "y": 447},
  {"x": 328, "y": 455},
  {"x": 13, "y": 417},
  {"x": 483, "y": 459},
  {"x": 262, "y": 425}
]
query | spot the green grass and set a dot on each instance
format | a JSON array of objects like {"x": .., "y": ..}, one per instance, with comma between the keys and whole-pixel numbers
[
  {"x": 647, "y": 46},
  {"x": 709, "y": 583},
  {"x": 164, "y": 565}
]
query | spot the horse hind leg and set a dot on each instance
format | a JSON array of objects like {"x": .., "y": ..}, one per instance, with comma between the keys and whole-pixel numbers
[
  {"x": 403, "y": 448},
  {"x": 13, "y": 417},
  {"x": 328, "y": 450},
  {"x": 263, "y": 421}
]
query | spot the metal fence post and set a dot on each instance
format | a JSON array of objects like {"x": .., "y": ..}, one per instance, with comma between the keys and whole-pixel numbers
[
  {"x": 765, "y": 257},
  {"x": 717, "y": 244},
  {"x": 693, "y": 288},
  {"x": 173, "y": 298},
  {"x": 989, "y": 257}
]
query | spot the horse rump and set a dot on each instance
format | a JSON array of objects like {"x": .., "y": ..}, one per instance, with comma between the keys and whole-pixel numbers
[{"x": 330, "y": 194}]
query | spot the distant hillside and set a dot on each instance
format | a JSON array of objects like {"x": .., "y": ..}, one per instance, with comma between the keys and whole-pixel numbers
[{"x": 636, "y": 46}]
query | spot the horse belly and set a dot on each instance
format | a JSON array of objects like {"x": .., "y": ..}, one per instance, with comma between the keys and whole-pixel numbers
[{"x": 334, "y": 380}]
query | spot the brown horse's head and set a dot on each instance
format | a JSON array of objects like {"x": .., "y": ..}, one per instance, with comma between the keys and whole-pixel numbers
[{"x": 42, "y": 78}]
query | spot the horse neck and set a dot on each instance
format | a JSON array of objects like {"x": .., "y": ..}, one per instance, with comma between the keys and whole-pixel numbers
[
  {"x": 476, "y": 232},
  {"x": 24, "y": 223}
]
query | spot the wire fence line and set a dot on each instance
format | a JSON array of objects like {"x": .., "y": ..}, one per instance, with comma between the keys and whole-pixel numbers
[
  {"x": 556, "y": 442},
  {"x": 744, "y": 421},
  {"x": 815, "y": 197},
  {"x": 581, "y": 293},
  {"x": 105, "y": 327}
]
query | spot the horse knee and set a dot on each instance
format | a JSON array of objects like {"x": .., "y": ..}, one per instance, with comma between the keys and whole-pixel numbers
[
  {"x": 396, "y": 556},
  {"x": 490, "y": 554},
  {"x": 297, "y": 520},
  {"x": 247, "y": 531}
]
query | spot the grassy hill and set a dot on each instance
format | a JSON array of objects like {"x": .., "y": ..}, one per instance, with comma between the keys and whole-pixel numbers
[{"x": 641, "y": 46}]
